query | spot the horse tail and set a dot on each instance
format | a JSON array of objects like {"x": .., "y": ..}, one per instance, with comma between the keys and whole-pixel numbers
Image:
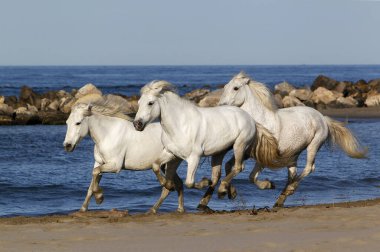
[
  {"x": 265, "y": 149},
  {"x": 343, "y": 137}
]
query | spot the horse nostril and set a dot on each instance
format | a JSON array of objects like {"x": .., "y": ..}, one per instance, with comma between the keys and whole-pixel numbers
[
  {"x": 138, "y": 125},
  {"x": 67, "y": 145}
]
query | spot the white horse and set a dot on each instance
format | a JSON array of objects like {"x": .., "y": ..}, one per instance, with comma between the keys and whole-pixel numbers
[
  {"x": 295, "y": 128},
  {"x": 118, "y": 145},
  {"x": 190, "y": 132}
]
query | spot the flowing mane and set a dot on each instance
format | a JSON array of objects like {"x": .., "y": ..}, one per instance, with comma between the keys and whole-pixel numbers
[
  {"x": 109, "y": 105},
  {"x": 157, "y": 87},
  {"x": 259, "y": 89}
]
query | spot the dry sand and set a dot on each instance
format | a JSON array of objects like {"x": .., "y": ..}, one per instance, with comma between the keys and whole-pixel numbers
[{"x": 340, "y": 227}]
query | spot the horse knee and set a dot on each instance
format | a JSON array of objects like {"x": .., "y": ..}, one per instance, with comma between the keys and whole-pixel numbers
[{"x": 96, "y": 171}]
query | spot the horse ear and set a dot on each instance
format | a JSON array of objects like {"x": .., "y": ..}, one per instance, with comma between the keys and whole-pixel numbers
[{"x": 246, "y": 80}]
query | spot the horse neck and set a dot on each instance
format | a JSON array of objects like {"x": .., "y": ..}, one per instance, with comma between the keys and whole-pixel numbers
[
  {"x": 100, "y": 127},
  {"x": 259, "y": 111},
  {"x": 173, "y": 111}
]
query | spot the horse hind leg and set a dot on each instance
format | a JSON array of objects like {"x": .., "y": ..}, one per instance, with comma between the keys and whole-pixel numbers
[
  {"x": 216, "y": 163},
  {"x": 179, "y": 187},
  {"x": 231, "y": 191},
  {"x": 164, "y": 194},
  {"x": 261, "y": 184},
  {"x": 289, "y": 187}
]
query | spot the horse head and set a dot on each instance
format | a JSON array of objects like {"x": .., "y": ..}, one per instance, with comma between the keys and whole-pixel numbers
[{"x": 77, "y": 126}]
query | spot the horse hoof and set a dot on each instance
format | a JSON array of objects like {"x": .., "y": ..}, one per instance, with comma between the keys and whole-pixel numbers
[
  {"x": 205, "y": 209},
  {"x": 83, "y": 209},
  {"x": 99, "y": 198},
  {"x": 151, "y": 211},
  {"x": 180, "y": 210},
  {"x": 278, "y": 205},
  {"x": 232, "y": 193}
]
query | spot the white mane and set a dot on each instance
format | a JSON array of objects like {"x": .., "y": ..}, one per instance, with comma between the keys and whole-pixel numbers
[
  {"x": 157, "y": 87},
  {"x": 260, "y": 91},
  {"x": 109, "y": 105}
]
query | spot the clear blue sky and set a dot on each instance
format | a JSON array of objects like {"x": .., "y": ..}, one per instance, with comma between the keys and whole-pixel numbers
[{"x": 156, "y": 32}]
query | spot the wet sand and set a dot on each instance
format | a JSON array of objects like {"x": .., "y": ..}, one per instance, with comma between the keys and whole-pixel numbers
[
  {"x": 351, "y": 226},
  {"x": 364, "y": 112}
]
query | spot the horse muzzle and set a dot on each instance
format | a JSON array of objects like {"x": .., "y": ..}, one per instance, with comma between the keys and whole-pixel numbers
[
  {"x": 68, "y": 147},
  {"x": 139, "y": 125}
]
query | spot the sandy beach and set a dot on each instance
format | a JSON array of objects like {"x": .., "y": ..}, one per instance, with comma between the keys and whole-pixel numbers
[{"x": 332, "y": 227}]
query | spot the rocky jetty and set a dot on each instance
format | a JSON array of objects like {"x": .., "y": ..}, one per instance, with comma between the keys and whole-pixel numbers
[
  {"x": 324, "y": 93},
  {"x": 54, "y": 107}
]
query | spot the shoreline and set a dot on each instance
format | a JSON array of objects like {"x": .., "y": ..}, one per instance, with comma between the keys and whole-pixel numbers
[
  {"x": 342, "y": 226},
  {"x": 105, "y": 215}
]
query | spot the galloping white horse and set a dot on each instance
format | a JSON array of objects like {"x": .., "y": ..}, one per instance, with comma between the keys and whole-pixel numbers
[
  {"x": 295, "y": 128},
  {"x": 190, "y": 132},
  {"x": 117, "y": 145}
]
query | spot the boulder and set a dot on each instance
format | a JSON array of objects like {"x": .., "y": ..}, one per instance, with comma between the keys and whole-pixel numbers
[
  {"x": 197, "y": 94},
  {"x": 66, "y": 104},
  {"x": 5, "y": 109},
  {"x": 325, "y": 96},
  {"x": 27, "y": 96},
  {"x": 325, "y": 82},
  {"x": 362, "y": 86},
  {"x": 51, "y": 95},
  {"x": 22, "y": 110},
  {"x": 211, "y": 99},
  {"x": 45, "y": 103},
  {"x": 343, "y": 87},
  {"x": 54, "y": 105},
  {"x": 63, "y": 94},
  {"x": 32, "y": 109},
  {"x": 278, "y": 100},
  {"x": 126, "y": 106},
  {"x": 86, "y": 90},
  {"x": 11, "y": 101},
  {"x": 301, "y": 94},
  {"x": 291, "y": 101},
  {"x": 374, "y": 85},
  {"x": 283, "y": 88},
  {"x": 373, "y": 101},
  {"x": 346, "y": 102}
]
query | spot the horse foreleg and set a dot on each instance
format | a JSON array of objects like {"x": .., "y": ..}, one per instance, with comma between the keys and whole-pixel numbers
[
  {"x": 239, "y": 148},
  {"x": 192, "y": 166},
  {"x": 96, "y": 176},
  {"x": 289, "y": 188},
  {"x": 89, "y": 194},
  {"x": 261, "y": 184},
  {"x": 216, "y": 163}
]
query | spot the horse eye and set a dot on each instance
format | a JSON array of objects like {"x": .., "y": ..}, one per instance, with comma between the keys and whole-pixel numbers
[
  {"x": 78, "y": 123},
  {"x": 236, "y": 88},
  {"x": 150, "y": 103}
]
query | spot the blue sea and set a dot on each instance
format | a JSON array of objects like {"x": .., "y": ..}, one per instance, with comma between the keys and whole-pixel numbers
[{"x": 38, "y": 177}]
